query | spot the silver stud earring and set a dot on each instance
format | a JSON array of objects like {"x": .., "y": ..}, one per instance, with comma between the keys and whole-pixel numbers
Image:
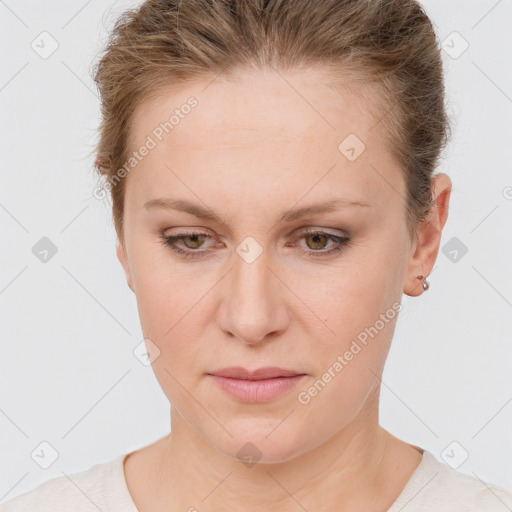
[{"x": 424, "y": 282}]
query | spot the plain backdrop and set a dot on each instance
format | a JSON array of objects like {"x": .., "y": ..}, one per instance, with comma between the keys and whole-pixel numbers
[{"x": 70, "y": 385}]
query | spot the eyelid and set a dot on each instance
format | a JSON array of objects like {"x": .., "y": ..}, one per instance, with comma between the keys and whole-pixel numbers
[
  {"x": 340, "y": 242},
  {"x": 313, "y": 229},
  {"x": 192, "y": 230}
]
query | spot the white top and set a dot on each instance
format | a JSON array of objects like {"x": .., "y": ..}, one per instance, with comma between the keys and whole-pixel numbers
[{"x": 433, "y": 487}]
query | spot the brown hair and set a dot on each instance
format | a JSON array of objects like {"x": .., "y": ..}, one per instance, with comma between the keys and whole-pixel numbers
[{"x": 388, "y": 43}]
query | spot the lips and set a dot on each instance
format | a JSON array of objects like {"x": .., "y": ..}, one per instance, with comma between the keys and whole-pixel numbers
[
  {"x": 255, "y": 386},
  {"x": 269, "y": 372}
]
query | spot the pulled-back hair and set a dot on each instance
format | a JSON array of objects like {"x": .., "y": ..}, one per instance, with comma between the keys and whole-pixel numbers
[{"x": 390, "y": 44}]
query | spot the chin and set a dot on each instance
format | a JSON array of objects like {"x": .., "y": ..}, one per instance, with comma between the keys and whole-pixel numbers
[{"x": 261, "y": 441}]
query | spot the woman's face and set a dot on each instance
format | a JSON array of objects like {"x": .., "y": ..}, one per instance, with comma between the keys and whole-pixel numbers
[{"x": 253, "y": 286}]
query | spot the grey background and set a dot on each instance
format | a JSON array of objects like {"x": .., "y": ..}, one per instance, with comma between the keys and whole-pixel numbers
[{"x": 68, "y": 375}]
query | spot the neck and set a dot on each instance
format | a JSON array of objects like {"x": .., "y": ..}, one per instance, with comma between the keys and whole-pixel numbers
[{"x": 361, "y": 467}]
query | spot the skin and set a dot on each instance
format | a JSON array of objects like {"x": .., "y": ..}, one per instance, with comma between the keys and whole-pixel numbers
[{"x": 251, "y": 149}]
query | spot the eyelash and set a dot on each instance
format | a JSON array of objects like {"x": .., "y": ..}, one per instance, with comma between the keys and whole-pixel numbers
[{"x": 340, "y": 241}]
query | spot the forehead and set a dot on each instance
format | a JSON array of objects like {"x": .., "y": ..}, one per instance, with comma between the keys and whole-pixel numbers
[
  {"x": 263, "y": 129},
  {"x": 254, "y": 104}
]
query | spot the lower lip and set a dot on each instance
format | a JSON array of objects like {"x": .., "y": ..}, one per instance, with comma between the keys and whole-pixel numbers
[{"x": 256, "y": 391}]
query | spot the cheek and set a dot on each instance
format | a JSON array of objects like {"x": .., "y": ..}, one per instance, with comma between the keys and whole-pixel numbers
[
  {"x": 349, "y": 366},
  {"x": 172, "y": 321},
  {"x": 173, "y": 308},
  {"x": 352, "y": 299},
  {"x": 359, "y": 318},
  {"x": 171, "y": 313},
  {"x": 163, "y": 292},
  {"x": 328, "y": 407}
]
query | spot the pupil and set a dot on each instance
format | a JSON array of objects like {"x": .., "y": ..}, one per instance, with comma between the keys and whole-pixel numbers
[
  {"x": 317, "y": 238},
  {"x": 194, "y": 239}
]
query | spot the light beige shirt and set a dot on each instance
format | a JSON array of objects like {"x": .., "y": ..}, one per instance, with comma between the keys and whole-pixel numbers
[{"x": 433, "y": 487}]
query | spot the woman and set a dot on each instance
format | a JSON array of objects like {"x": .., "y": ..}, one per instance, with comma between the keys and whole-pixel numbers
[{"x": 271, "y": 169}]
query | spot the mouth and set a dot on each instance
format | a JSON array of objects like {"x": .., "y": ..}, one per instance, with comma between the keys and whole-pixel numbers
[{"x": 255, "y": 386}]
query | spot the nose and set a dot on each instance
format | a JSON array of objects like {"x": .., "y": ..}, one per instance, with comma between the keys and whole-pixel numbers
[{"x": 253, "y": 307}]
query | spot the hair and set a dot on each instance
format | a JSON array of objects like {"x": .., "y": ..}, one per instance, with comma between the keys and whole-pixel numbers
[{"x": 389, "y": 44}]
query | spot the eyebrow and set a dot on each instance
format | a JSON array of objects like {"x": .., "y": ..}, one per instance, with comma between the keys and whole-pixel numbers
[{"x": 287, "y": 216}]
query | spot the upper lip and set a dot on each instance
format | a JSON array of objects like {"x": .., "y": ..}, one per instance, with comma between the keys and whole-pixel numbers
[{"x": 269, "y": 372}]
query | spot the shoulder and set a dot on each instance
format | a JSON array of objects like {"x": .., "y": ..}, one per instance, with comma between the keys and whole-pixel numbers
[
  {"x": 99, "y": 488},
  {"x": 435, "y": 486}
]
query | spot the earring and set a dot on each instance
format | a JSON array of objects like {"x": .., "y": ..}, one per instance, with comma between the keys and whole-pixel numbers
[{"x": 425, "y": 283}]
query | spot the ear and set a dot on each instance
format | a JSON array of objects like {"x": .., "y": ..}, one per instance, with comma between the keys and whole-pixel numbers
[
  {"x": 426, "y": 246},
  {"x": 121, "y": 256}
]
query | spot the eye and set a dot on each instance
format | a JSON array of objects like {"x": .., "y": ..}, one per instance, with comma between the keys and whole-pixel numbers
[
  {"x": 191, "y": 240},
  {"x": 188, "y": 244},
  {"x": 316, "y": 240}
]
